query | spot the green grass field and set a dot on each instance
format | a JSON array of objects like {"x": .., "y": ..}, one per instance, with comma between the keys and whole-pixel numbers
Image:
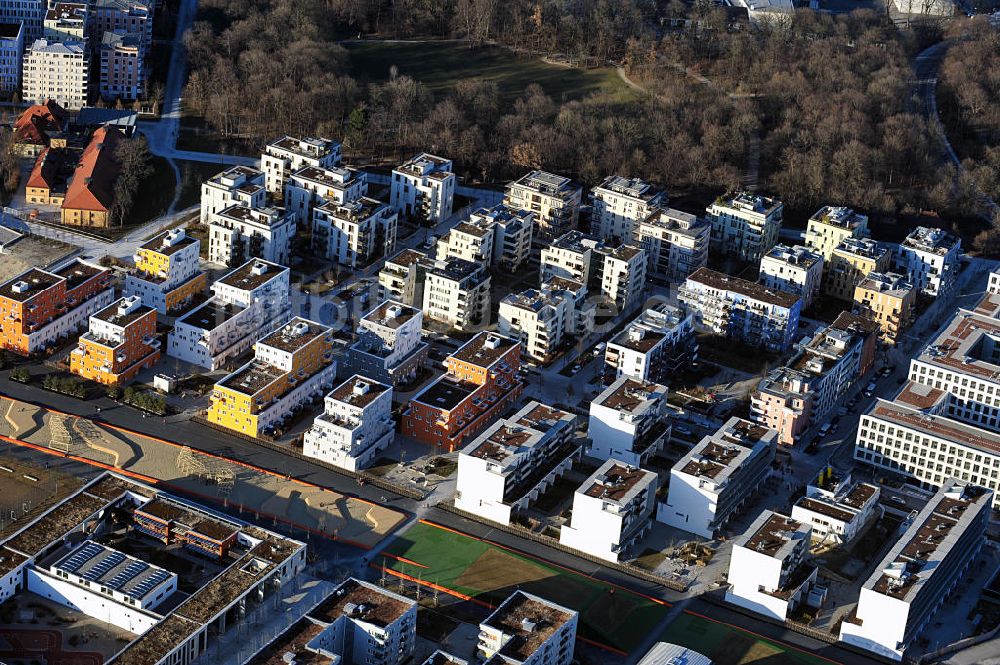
[
  {"x": 731, "y": 646},
  {"x": 440, "y": 65},
  {"x": 613, "y": 617}
]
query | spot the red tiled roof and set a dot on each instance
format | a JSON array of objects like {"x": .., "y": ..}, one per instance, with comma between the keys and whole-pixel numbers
[
  {"x": 43, "y": 175},
  {"x": 34, "y": 124},
  {"x": 92, "y": 185}
]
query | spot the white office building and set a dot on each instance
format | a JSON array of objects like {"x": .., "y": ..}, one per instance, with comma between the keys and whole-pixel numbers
[
  {"x": 285, "y": 156},
  {"x": 424, "y": 188},
  {"x": 354, "y": 234},
  {"x": 572, "y": 255},
  {"x": 745, "y": 225},
  {"x": 628, "y": 422},
  {"x": 676, "y": 243},
  {"x": 312, "y": 186},
  {"x": 612, "y": 511},
  {"x": 618, "y": 205},
  {"x": 389, "y": 347},
  {"x": 57, "y": 71},
  {"x": 554, "y": 200},
  {"x": 922, "y": 569},
  {"x": 795, "y": 270},
  {"x": 238, "y": 233},
  {"x": 514, "y": 461},
  {"x": 402, "y": 277},
  {"x": 355, "y": 427},
  {"x": 930, "y": 260},
  {"x": 717, "y": 477},
  {"x": 239, "y": 185}
]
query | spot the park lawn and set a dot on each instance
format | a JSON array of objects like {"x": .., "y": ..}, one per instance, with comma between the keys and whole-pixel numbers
[
  {"x": 440, "y": 66},
  {"x": 726, "y": 645},
  {"x": 611, "y": 616}
]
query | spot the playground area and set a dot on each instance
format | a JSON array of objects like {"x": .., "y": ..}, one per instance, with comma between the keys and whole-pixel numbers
[
  {"x": 257, "y": 494},
  {"x": 468, "y": 567}
]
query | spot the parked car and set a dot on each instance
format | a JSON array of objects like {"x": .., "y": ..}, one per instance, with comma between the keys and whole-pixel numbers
[
  {"x": 898, "y": 500},
  {"x": 824, "y": 429},
  {"x": 870, "y": 389}
]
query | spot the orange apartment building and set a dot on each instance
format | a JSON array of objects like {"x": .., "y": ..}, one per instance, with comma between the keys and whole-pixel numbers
[
  {"x": 481, "y": 382},
  {"x": 121, "y": 342},
  {"x": 39, "y": 307}
]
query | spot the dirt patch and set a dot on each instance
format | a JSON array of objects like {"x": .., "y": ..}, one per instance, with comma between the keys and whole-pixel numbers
[
  {"x": 613, "y": 610},
  {"x": 496, "y": 569}
]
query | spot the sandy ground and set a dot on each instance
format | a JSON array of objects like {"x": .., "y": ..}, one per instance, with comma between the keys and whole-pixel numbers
[
  {"x": 29, "y": 252},
  {"x": 261, "y": 494}
]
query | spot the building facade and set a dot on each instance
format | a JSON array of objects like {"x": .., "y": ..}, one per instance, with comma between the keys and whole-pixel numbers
[
  {"x": 389, "y": 347},
  {"x": 11, "y": 56},
  {"x": 853, "y": 260},
  {"x": 745, "y": 225},
  {"x": 424, "y": 188},
  {"x": 238, "y": 233},
  {"x": 166, "y": 275},
  {"x": 618, "y": 205},
  {"x": 676, "y": 243},
  {"x": 832, "y": 225},
  {"x": 123, "y": 75},
  {"x": 354, "y": 234},
  {"x": 355, "y": 427},
  {"x": 312, "y": 186},
  {"x": 655, "y": 346},
  {"x": 57, "y": 71},
  {"x": 512, "y": 232},
  {"x": 889, "y": 300},
  {"x": 283, "y": 157},
  {"x": 121, "y": 342},
  {"x": 628, "y": 422},
  {"x": 929, "y": 258},
  {"x": 795, "y": 270},
  {"x": 554, "y": 200},
  {"x": 239, "y": 185},
  {"x": 528, "y": 630},
  {"x": 457, "y": 294}
]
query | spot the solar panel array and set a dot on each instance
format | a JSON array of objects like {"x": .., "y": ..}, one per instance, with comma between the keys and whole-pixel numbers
[
  {"x": 75, "y": 560},
  {"x": 126, "y": 574},
  {"x": 142, "y": 589},
  {"x": 104, "y": 566}
]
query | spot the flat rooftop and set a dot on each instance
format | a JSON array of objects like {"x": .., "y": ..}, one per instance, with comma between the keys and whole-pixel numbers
[
  {"x": 541, "y": 417},
  {"x": 77, "y": 272},
  {"x": 252, "y": 275},
  {"x": 774, "y": 534},
  {"x": 55, "y": 524},
  {"x": 407, "y": 257},
  {"x": 753, "y": 290},
  {"x": 529, "y": 621},
  {"x": 294, "y": 335},
  {"x": 293, "y": 641},
  {"x": 865, "y": 248},
  {"x": 112, "y": 314},
  {"x": 252, "y": 378},
  {"x": 305, "y": 147},
  {"x": 391, "y": 314},
  {"x": 544, "y": 182},
  {"x": 475, "y": 230},
  {"x": 210, "y": 315},
  {"x": 35, "y": 280},
  {"x": 967, "y": 345},
  {"x": 628, "y": 395},
  {"x": 358, "y": 391},
  {"x": 157, "y": 243},
  {"x": 484, "y": 349},
  {"x": 838, "y": 216},
  {"x": 941, "y": 427},
  {"x": 933, "y": 240},
  {"x": 826, "y": 508},
  {"x": 334, "y": 178},
  {"x": 617, "y": 482},
  {"x": 364, "y": 602},
  {"x": 109, "y": 568},
  {"x": 634, "y": 187},
  {"x": 446, "y": 393}
]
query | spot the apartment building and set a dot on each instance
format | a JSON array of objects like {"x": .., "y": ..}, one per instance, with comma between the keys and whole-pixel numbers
[
  {"x": 11, "y": 56},
  {"x": 654, "y": 346},
  {"x": 741, "y": 310},
  {"x": 889, "y": 300},
  {"x": 805, "y": 392},
  {"x": 572, "y": 255},
  {"x": 512, "y": 230},
  {"x": 39, "y": 307},
  {"x": 355, "y": 427},
  {"x": 770, "y": 570},
  {"x": 66, "y": 22},
  {"x": 676, "y": 243},
  {"x": 166, "y": 276},
  {"x": 123, "y": 75},
  {"x": 59, "y": 71},
  {"x": 312, "y": 186},
  {"x": 245, "y": 304},
  {"x": 554, "y": 200},
  {"x": 543, "y": 320},
  {"x": 472, "y": 241},
  {"x": 29, "y": 13},
  {"x": 514, "y": 461},
  {"x": 930, "y": 259},
  {"x": 994, "y": 282},
  {"x": 424, "y": 188},
  {"x": 444, "y": 658},
  {"x": 528, "y": 630},
  {"x": 710, "y": 483},
  {"x": 402, "y": 277},
  {"x": 239, "y": 185},
  {"x": 120, "y": 343},
  {"x": 121, "y": 16},
  {"x": 628, "y": 422},
  {"x": 291, "y": 366},
  {"x": 623, "y": 276},
  {"x": 354, "y": 234},
  {"x": 832, "y": 225},
  {"x": 389, "y": 347},
  {"x": 837, "y": 507},
  {"x": 612, "y": 511},
  {"x": 283, "y": 157},
  {"x": 745, "y": 225},
  {"x": 457, "y": 294},
  {"x": 481, "y": 382},
  {"x": 618, "y": 205},
  {"x": 239, "y": 233},
  {"x": 795, "y": 270},
  {"x": 921, "y": 571},
  {"x": 853, "y": 260}
]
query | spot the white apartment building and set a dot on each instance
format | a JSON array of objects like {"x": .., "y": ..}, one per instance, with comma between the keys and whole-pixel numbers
[
  {"x": 402, "y": 277},
  {"x": 11, "y": 56},
  {"x": 618, "y": 205},
  {"x": 676, "y": 243},
  {"x": 457, "y": 293},
  {"x": 246, "y": 304},
  {"x": 921, "y": 571},
  {"x": 745, "y": 225},
  {"x": 628, "y": 422},
  {"x": 65, "y": 22},
  {"x": 444, "y": 658},
  {"x": 994, "y": 283},
  {"x": 741, "y": 310},
  {"x": 424, "y": 188},
  {"x": 832, "y": 225},
  {"x": 283, "y": 157},
  {"x": 543, "y": 320},
  {"x": 389, "y": 347},
  {"x": 355, "y": 427},
  {"x": 571, "y": 256},
  {"x": 623, "y": 276},
  {"x": 167, "y": 271},
  {"x": 57, "y": 71},
  {"x": 795, "y": 270},
  {"x": 239, "y": 185},
  {"x": 837, "y": 508},
  {"x": 472, "y": 241},
  {"x": 770, "y": 571},
  {"x": 612, "y": 511},
  {"x": 930, "y": 260},
  {"x": 554, "y": 199},
  {"x": 655, "y": 345},
  {"x": 512, "y": 229},
  {"x": 528, "y": 630},
  {"x": 514, "y": 461},
  {"x": 239, "y": 233},
  {"x": 717, "y": 477},
  {"x": 311, "y": 186},
  {"x": 354, "y": 234}
]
